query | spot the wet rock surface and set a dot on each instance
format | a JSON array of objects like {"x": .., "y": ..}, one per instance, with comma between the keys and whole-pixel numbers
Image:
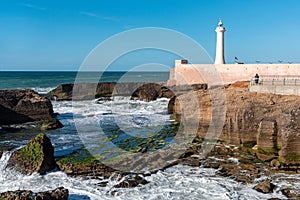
[
  {"x": 57, "y": 194},
  {"x": 36, "y": 156},
  {"x": 5, "y": 148},
  {"x": 288, "y": 192},
  {"x": 104, "y": 91},
  {"x": 21, "y": 106},
  {"x": 264, "y": 187}
]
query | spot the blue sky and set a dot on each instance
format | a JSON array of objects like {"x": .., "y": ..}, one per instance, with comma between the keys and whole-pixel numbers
[{"x": 59, "y": 34}]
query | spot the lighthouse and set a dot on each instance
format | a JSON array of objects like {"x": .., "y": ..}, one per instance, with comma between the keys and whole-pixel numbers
[{"x": 220, "y": 43}]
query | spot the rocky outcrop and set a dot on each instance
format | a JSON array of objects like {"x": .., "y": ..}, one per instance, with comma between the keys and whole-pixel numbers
[
  {"x": 269, "y": 120},
  {"x": 288, "y": 192},
  {"x": 94, "y": 170},
  {"x": 264, "y": 187},
  {"x": 5, "y": 148},
  {"x": 151, "y": 91},
  {"x": 21, "y": 106},
  {"x": 142, "y": 91},
  {"x": 36, "y": 156},
  {"x": 267, "y": 140},
  {"x": 57, "y": 194},
  {"x": 290, "y": 150}
]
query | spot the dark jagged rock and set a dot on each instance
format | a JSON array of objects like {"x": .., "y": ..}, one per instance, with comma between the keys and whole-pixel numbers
[
  {"x": 132, "y": 180},
  {"x": 57, "y": 194},
  {"x": 36, "y": 156},
  {"x": 21, "y": 106},
  {"x": 171, "y": 105},
  {"x": 96, "y": 170},
  {"x": 51, "y": 125},
  {"x": 5, "y": 148},
  {"x": 264, "y": 187},
  {"x": 86, "y": 169},
  {"x": 152, "y": 91},
  {"x": 289, "y": 193},
  {"x": 142, "y": 91}
]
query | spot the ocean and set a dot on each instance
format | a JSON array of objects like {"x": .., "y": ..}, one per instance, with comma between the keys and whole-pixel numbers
[
  {"x": 45, "y": 81},
  {"x": 137, "y": 118}
]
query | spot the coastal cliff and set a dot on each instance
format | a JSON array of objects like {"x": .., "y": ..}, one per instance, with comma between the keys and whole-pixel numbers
[{"x": 269, "y": 121}]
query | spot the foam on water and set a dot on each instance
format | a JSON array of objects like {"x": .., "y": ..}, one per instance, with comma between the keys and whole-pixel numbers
[
  {"x": 44, "y": 90},
  {"x": 178, "y": 182}
]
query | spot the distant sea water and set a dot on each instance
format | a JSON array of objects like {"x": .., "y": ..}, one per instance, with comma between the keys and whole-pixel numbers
[
  {"x": 45, "y": 81},
  {"x": 133, "y": 116}
]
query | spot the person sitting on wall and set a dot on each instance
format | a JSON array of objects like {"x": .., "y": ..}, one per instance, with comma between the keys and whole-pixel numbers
[{"x": 256, "y": 79}]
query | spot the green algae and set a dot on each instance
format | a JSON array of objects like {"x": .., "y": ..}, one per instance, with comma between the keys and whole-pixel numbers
[{"x": 33, "y": 150}]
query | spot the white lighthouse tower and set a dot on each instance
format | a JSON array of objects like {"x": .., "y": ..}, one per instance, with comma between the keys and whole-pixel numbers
[{"x": 220, "y": 44}]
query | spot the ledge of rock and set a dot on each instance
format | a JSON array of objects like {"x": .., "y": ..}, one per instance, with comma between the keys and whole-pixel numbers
[
  {"x": 269, "y": 120},
  {"x": 57, "y": 194},
  {"x": 141, "y": 91},
  {"x": 21, "y": 106},
  {"x": 36, "y": 156}
]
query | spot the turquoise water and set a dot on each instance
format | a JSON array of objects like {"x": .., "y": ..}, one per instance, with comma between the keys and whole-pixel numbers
[{"x": 43, "y": 80}]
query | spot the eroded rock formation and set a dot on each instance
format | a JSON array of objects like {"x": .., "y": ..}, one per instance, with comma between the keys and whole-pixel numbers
[
  {"x": 36, "y": 156},
  {"x": 21, "y": 106},
  {"x": 57, "y": 194},
  {"x": 269, "y": 120},
  {"x": 142, "y": 91}
]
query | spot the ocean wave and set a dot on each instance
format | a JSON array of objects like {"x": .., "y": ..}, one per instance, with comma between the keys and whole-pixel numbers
[{"x": 43, "y": 90}]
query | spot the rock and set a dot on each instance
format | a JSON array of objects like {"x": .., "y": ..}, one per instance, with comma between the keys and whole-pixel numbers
[
  {"x": 5, "y": 148},
  {"x": 288, "y": 193},
  {"x": 96, "y": 170},
  {"x": 275, "y": 163},
  {"x": 190, "y": 161},
  {"x": 290, "y": 151},
  {"x": 132, "y": 180},
  {"x": 243, "y": 179},
  {"x": 105, "y": 90},
  {"x": 36, "y": 156},
  {"x": 171, "y": 105},
  {"x": 267, "y": 140},
  {"x": 57, "y": 194},
  {"x": 51, "y": 125},
  {"x": 151, "y": 91},
  {"x": 249, "y": 118},
  {"x": 264, "y": 187},
  {"x": 86, "y": 169},
  {"x": 21, "y": 106}
]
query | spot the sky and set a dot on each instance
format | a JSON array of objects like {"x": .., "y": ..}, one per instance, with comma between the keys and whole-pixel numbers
[{"x": 58, "y": 35}]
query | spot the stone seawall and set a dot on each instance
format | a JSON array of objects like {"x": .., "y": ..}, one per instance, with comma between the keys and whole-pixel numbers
[{"x": 228, "y": 73}]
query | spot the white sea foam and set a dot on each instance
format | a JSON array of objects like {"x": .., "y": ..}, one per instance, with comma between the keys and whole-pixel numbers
[
  {"x": 44, "y": 90},
  {"x": 178, "y": 182}
]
